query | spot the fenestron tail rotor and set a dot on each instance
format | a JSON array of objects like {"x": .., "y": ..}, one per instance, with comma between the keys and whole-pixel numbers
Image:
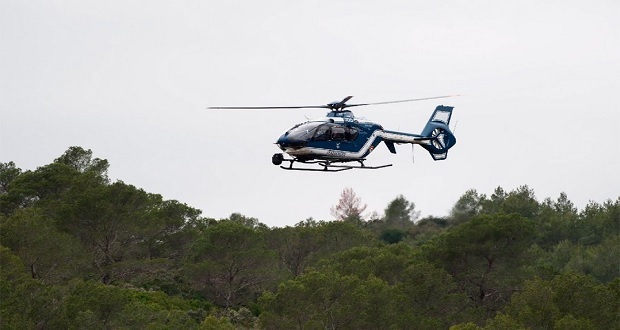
[{"x": 334, "y": 106}]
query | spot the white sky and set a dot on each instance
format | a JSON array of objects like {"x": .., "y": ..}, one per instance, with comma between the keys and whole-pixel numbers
[{"x": 131, "y": 80}]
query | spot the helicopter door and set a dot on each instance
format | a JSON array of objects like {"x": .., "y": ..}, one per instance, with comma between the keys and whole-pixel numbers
[
  {"x": 338, "y": 133},
  {"x": 350, "y": 134},
  {"x": 345, "y": 136},
  {"x": 322, "y": 133}
]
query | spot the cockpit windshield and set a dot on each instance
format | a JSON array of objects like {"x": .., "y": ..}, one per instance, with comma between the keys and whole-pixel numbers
[
  {"x": 320, "y": 131},
  {"x": 303, "y": 132}
]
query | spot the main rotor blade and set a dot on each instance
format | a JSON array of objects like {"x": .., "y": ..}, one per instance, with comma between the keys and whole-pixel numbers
[
  {"x": 336, "y": 106},
  {"x": 401, "y": 101},
  {"x": 263, "y": 108},
  {"x": 345, "y": 99}
]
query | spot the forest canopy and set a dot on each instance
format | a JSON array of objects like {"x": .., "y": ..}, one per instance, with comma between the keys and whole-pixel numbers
[{"x": 80, "y": 251}]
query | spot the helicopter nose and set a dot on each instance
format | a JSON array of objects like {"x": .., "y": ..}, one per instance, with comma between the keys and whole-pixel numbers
[
  {"x": 282, "y": 140},
  {"x": 285, "y": 142}
]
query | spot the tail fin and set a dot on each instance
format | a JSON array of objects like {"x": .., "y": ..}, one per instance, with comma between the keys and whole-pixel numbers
[{"x": 436, "y": 135}]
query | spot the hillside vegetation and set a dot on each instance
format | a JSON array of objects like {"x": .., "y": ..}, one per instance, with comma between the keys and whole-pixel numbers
[{"x": 78, "y": 251}]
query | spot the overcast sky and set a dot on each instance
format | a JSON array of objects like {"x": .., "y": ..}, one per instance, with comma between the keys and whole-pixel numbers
[{"x": 131, "y": 80}]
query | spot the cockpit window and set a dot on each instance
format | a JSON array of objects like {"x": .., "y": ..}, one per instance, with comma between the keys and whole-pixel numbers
[
  {"x": 350, "y": 134},
  {"x": 303, "y": 132},
  {"x": 338, "y": 133},
  {"x": 334, "y": 132},
  {"x": 322, "y": 133}
]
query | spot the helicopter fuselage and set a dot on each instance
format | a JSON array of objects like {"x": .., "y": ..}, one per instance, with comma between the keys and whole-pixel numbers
[
  {"x": 341, "y": 138},
  {"x": 335, "y": 138}
]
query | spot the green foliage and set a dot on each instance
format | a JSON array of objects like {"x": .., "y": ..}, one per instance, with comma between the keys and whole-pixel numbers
[
  {"x": 569, "y": 301},
  {"x": 385, "y": 262},
  {"x": 8, "y": 173},
  {"x": 81, "y": 160},
  {"x": 427, "y": 298},
  {"x": 484, "y": 256},
  {"x": 246, "y": 221},
  {"x": 79, "y": 251},
  {"x": 468, "y": 206},
  {"x": 230, "y": 263},
  {"x": 392, "y": 235},
  {"x": 340, "y": 236},
  {"x": 426, "y": 229},
  {"x": 13, "y": 278},
  {"x": 531, "y": 307},
  {"x": 503, "y": 321},
  {"x": 296, "y": 247},
  {"x": 212, "y": 322},
  {"x": 319, "y": 300},
  {"x": 48, "y": 254},
  {"x": 400, "y": 213}
]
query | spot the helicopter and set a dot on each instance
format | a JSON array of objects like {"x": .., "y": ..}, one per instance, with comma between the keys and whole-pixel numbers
[{"x": 340, "y": 141}]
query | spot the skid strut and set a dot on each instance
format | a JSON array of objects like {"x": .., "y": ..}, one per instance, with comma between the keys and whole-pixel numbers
[{"x": 325, "y": 165}]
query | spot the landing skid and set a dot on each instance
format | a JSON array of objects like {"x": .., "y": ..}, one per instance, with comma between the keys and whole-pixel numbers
[{"x": 329, "y": 166}]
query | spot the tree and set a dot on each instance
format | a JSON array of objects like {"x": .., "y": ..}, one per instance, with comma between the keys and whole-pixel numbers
[
  {"x": 230, "y": 263},
  {"x": 42, "y": 187},
  {"x": 328, "y": 300},
  {"x": 213, "y": 322},
  {"x": 246, "y": 221},
  {"x": 338, "y": 236},
  {"x": 568, "y": 301},
  {"x": 25, "y": 303},
  {"x": 484, "y": 256},
  {"x": 520, "y": 201},
  {"x": 49, "y": 255},
  {"x": 349, "y": 207},
  {"x": 427, "y": 228},
  {"x": 533, "y": 307},
  {"x": 295, "y": 246},
  {"x": 13, "y": 280},
  {"x": 108, "y": 220},
  {"x": 555, "y": 221},
  {"x": 468, "y": 206},
  {"x": 400, "y": 213},
  {"x": 384, "y": 262},
  {"x": 427, "y": 298},
  {"x": 81, "y": 160},
  {"x": 582, "y": 297},
  {"x": 597, "y": 221},
  {"x": 91, "y": 303},
  {"x": 392, "y": 235},
  {"x": 161, "y": 230},
  {"x": 8, "y": 173}
]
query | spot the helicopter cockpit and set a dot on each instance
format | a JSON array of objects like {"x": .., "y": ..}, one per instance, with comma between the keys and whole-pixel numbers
[{"x": 320, "y": 131}]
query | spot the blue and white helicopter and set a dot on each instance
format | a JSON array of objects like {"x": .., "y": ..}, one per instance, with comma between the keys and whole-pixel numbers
[{"x": 339, "y": 139}]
